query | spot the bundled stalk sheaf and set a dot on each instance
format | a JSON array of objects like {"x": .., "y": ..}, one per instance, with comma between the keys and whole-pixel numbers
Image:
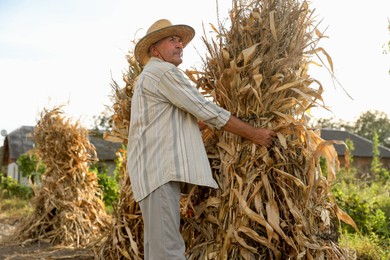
[
  {"x": 68, "y": 207},
  {"x": 125, "y": 236},
  {"x": 272, "y": 203}
]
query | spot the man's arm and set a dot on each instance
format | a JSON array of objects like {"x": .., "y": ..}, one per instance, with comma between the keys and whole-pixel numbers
[
  {"x": 261, "y": 136},
  {"x": 202, "y": 125}
]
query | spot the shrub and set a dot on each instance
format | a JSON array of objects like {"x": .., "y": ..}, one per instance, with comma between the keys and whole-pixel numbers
[
  {"x": 366, "y": 203},
  {"x": 31, "y": 166},
  {"x": 108, "y": 184},
  {"x": 10, "y": 188},
  {"x": 365, "y": 247}
]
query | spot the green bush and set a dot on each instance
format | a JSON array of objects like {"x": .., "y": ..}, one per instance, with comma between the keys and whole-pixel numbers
[
  {"x": 108, "y": 184},
  {"x": 384, "y": 203},
  {"x": 366, "y": 203},
  {"x": 10, "y": 188},
  {"x": 110, "y": 188},
  {"x": 365, "y": 247},
  {"x": 31, "y": 166}
]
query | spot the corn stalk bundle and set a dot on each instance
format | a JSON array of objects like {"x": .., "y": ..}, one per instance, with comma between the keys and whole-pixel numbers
[
  {"x": 122, "y": 103},
  {"x": 68, "y": 207},
  {"x": 125, "y": 236},
  {"x": 272, "y": 203}
]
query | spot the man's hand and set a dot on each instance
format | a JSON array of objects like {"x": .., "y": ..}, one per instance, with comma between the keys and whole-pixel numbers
[{"x": 260, "y": 136}]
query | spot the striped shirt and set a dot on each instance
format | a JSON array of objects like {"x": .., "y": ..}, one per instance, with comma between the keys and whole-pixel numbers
[{"x": 165, "y": 143}]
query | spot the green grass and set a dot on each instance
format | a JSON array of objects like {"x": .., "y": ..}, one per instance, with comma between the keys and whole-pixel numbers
[
  {"x": 369, "y": 247},
  {"x": 14, "y": 208}
]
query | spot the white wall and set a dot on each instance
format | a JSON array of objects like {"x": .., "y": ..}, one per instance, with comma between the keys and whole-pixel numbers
[{"x": 13, "y": 172}]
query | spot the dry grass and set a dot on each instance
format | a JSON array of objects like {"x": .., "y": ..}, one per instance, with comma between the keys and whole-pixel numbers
[{"x": 12, "y": 209}]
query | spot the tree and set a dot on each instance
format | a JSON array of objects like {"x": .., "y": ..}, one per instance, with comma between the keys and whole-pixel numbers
[
  {"x": 387, "y": 48},
  {"x": 332, "y": 123},
  {"x": 102, "y": 122},
  {"x": 365, "y": 126},
  {"x": 374, "y": 121},
  {"x": 377, "y": 169},
  {"x": 31, "y": 166}
]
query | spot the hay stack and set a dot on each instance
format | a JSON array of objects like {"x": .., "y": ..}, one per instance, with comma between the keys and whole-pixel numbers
[
  {"x": 125, "y": 236},
  {"x": 272, "y": 204},
  {"x": 68, "y": 207}
]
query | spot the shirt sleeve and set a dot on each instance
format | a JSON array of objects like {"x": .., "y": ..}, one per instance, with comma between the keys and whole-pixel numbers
[{"x": 178, "y": 90}]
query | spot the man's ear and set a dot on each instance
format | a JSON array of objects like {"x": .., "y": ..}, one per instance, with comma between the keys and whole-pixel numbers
[{"x": 153, "y": 50}]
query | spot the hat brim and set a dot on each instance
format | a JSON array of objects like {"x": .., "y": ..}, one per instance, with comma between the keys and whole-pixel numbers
[{"x": 141, "y": 50}]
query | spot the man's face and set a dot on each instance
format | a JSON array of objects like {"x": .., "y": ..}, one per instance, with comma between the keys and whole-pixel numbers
[{"x": 169, "y": 49}]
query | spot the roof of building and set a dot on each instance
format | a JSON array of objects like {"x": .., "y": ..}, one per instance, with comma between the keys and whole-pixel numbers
[
  {"x": 362, "y": 146},
  {"x": 18, "y": 142},
  {"x": 106, "y": 150},
  {"x": 21, "y": 140}
]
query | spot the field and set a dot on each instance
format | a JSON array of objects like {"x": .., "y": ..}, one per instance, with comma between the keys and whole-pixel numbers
[
  {"x": 37, "y": 250},
  {"x": 11, "y": 213}
]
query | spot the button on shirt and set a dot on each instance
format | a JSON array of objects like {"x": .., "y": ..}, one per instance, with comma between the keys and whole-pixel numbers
[{"x": 165, "y": 143}]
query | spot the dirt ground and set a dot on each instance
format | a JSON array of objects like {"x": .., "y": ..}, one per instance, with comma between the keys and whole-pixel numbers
[{"x": 35, "y": 250}]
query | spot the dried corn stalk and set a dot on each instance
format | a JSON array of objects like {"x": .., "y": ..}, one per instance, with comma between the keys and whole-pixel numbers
[
  {"x": 272, "y": 204},
  {"x": 122, "y": 103},
  {"x": 68, "y": 207},
  {"x": 125, "y": 237}
]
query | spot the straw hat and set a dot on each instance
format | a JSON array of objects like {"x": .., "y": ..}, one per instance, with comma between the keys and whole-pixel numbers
[{"x": 159, "y": 30}]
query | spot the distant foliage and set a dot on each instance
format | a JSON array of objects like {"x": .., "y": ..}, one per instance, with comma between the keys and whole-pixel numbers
[
  {"x": 362, "y": 201},
  {"x": 372, "y": 122},
  {"x": 108, "y": 184},
  {"x": 9, "y": 188},
  {"x": 367, "y": 201},
  {"x": 366, "y": 125},
  {"x": 366, "y": 247},
  {"x": 103, "y": 121},
  {"x": 378, "y": 171},
  {"x": 31, "y": 166}
]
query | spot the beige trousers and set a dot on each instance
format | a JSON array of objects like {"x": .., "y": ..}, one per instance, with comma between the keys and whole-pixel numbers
[{"x": 161, "y": 216}]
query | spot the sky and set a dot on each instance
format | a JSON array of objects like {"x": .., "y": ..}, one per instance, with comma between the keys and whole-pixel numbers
[{"x": 67, "y": 52}]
